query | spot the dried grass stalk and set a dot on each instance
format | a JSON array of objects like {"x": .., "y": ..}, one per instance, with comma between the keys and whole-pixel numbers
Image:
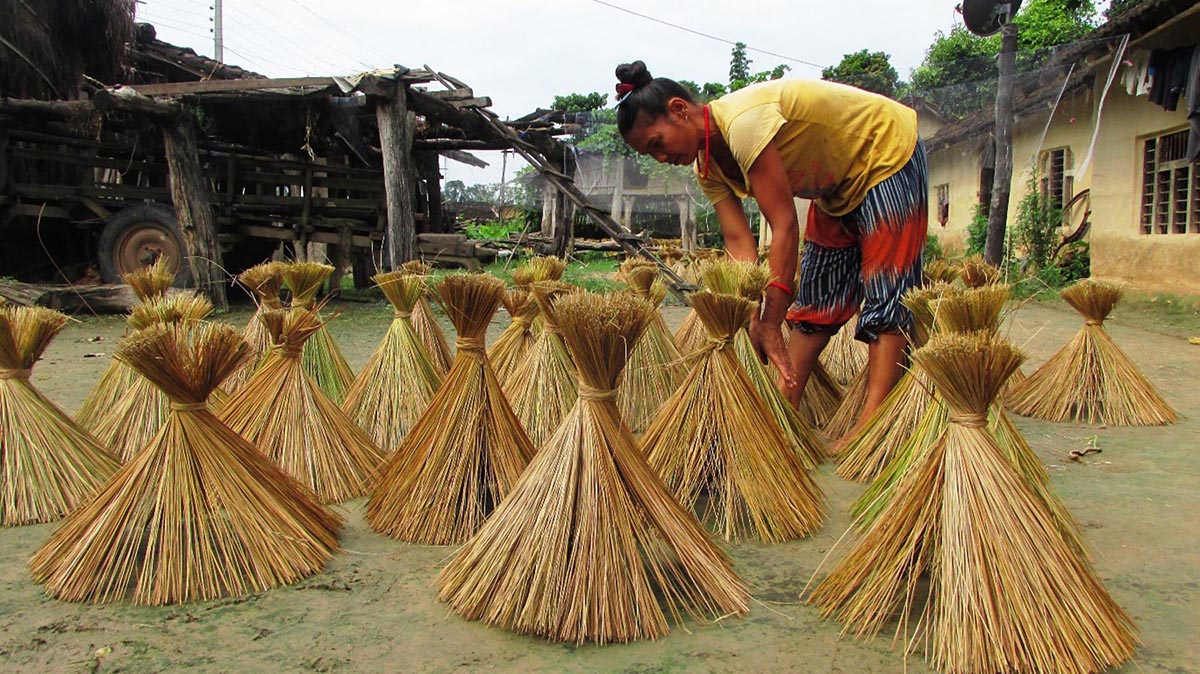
[
  {"x": 467, "y": 450},
  {"x": 1007, "y": 593},
  {"x": 147, "y": 283},
  {"x": 134, "y": 419},
  {"x": 283, "y": 412},
  {"x": 835, "y": 415},
  {"x": 399, "y": 380},
  {"x": 802, "y": 436},
  {"x": 426, "y": 323},
  {"x": 201, "y": 513},
  {"x": 323, "y": 359},
  {"x": 590, "y": 546},
  {"x": 543, "y": 387},
  {"x": 514, "y": 343},
  {"x": 690, "y": 335},
  {"x": 716, "y": 437},
  {"x": 1091, "y": 379},
  {"x": 977, "y": 273},
  {"x": 264, "y": 281},
  {"x": 655, "y": 367},
  {"x": 940, "y": 271},
  {"x": 844, "y": 357},
  {"x": 49, "y": 466}
]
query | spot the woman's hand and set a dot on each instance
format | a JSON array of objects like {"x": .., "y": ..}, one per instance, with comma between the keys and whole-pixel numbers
[{"x": 766, "y": 335}]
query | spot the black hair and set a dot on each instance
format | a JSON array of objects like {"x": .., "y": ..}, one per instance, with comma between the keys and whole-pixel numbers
[{"x": 650, "y": 94}]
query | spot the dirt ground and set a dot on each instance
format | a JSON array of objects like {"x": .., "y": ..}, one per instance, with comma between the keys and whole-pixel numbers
[{"x": 375, "y": 608}]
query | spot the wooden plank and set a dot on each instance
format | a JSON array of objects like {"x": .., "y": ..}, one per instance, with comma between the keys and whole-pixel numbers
[
  {"x": 226, "y": 86},
  {"x": 191, "y": 197},
  {"x": 396, "y": 143},
  {"x": 287, "y": 234}
]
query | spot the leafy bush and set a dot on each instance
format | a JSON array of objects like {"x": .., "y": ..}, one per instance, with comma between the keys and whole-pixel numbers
[
  {"x": 493, "y": 230},
  {"x": 977, "y": 232},
  {"x": 1036, "y": 231},
  {"x": 1075, "y": 261},
  {"x": 933, "y": 248}
]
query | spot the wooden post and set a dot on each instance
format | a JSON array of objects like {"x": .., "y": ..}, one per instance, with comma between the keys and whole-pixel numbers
[
  {"x": 563, "y": 224},
  {"x": 1002, "y": 180},
  {"x": 395, "y": 140},
  {"x": 687, "y": 225},
  {"x": 431, "y": 173},
  {"x": 189, "y": 194},
  {"x": 618, "y": 189},
  {"x": 627, "y": 216},
  {"x": 550, "y": 202}
]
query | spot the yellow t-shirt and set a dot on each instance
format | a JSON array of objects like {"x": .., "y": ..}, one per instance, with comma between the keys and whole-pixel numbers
[{"x": 836, "y": 141}]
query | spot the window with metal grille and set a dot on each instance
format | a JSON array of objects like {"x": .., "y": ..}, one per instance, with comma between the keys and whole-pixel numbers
[
  {"x": 1170, "y": 187},
  {"x": 943, "y": 203},
  {"x": 1058, "y": 178}
]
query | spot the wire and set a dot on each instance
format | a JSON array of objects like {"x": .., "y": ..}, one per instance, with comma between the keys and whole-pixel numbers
[
  {"x": 267, "y": 34},
  {"x": 236, "y": 52},
  {"x": 343, "y": 31},
  {"x": 317, "y": 38},
  {"x": 707, "y": 35}
]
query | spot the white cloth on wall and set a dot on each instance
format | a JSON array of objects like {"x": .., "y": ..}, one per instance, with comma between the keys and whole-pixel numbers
[{"x": 1136, "y": 78}]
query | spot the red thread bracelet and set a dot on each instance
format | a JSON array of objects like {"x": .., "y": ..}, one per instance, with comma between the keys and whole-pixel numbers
[{"x": 784, "y": 288}]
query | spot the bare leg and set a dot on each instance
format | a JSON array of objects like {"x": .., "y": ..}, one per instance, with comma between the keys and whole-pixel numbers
[
  {"x": 885, "y": 366},
  {"x": 803, "y": 351}
]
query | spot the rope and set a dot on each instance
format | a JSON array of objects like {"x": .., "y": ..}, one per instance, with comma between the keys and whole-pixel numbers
[
  {"x": 401, "y": 314},
  {"x": 473, "y": 345},
  {"x": 189, "y": 407},
  {"x": 598, "y": 394},
  {"x": 1093, "y": 322},
  {"x": 16, "y": 374},
  {"x": 970, "y": 419}
]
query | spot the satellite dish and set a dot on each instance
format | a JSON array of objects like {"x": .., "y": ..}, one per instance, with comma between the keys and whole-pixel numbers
[{"x": 984, "y": 17}]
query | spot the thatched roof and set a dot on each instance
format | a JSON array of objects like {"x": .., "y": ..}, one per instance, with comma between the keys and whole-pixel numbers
[{"x": 46, "y": 46}]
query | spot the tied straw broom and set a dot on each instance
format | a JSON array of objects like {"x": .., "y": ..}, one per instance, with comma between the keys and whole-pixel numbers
[
  {"x": 715, "y": 437},
  {"x": 542, "y": 389},
  {"x": 137, "y": 415},
  {"x": 514, "y": 343},
  {"x": 146, "y": 283},
  {"x": 49, "y": 466},
  {"x": 844, "y": 357},
  {"x": 323, "y": 359},
  {"x": 426, "y": 324},
  {"x": 1091, "y": 379},
  {"x": 538, "y": 269},
  {"x": 283, "y": 412},
  {"x": 1006, "y": 592},
  {"x": 590, "y": 546},
  {"x": 655, "y": 367},
  {"x": 201, "y": 513},
  {"x": 399, "y": 380},
  {"x": 465, "y": 453},
  {"x": 866, "y": 453},
  {"x": 975, "y": 272},
  {"x": 264, "y": 281}
]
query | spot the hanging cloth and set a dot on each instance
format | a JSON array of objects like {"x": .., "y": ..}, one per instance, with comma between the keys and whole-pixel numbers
[{"x": 1193, "y": 106}]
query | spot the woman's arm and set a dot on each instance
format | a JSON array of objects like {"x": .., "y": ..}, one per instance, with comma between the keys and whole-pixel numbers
[{"x": 735, "y": 229}]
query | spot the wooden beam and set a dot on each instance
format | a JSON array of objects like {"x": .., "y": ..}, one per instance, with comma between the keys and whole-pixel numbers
[
  {"x": 396, "y": 143},
  {"x": 431, "y": 173},
  {"x": 464, "y": 158},
  {"x": 55, "y": 109},
  {"x": 125, "y": 100},
  {"x": 225, "y": 86},
  {"x": 189, "y": 193}
]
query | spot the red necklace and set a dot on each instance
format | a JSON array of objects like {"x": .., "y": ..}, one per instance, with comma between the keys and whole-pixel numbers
[{"x": 707, "y": 149}]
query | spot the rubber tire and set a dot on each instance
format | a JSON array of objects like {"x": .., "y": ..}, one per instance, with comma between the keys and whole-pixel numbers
[{"x": 133, "y": 216}]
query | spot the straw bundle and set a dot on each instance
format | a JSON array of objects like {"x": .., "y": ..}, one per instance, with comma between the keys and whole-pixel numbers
[
  {"x": 467, "y": 450},
  {"x": 49, "y": 466},
  {"x": 1007, "y": 594},
  {"x": 514, "y": 343},
  {"x": 844, "y": 356},
  {"x": 716, "y": 435},
  {"x": 655, "y": 367},
  {"x": 201, "y": 513},
  {"x": 285, "y": 414},
  {"x": 323, "y": 359},
  {"x": 976, "y": 272},
  {"x": 1091, "y": 379},
  {"x": 264, "y": 281},
  {"x": 543, "y": 387},
  {"x": 589, "y": 539},
  {"x": 398, "y": 381},
  {"x": 845, "y": 410},
  {"x": 133, "y": 420},
  {"x": 426, "y": 324},
  {"x": 545, "y": 268},
  {"x": 865, "y": 454},
  {"x": 146, "y": 283},
  {"x": 940, "y": 271}
]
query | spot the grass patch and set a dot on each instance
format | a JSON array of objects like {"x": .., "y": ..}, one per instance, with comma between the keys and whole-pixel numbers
[{"x": 1166, "y": 313}]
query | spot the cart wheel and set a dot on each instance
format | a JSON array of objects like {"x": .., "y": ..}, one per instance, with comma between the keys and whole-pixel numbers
[{"x": 138, "y": 236}]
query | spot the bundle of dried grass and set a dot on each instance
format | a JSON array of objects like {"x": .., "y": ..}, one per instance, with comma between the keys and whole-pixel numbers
[
  {"x": 323, "y": 359},
  {"x": 283, "y": 412},
  {"x": 1091, "y": 379},
  {"x": 147, "y": 283},
  {"x": 467, "y": 450},
  {"x": 264, "y": 281},
  {"x": 543, "y": 387},
  {"x": 1007, "y": 593},
  {"x": 426, "y": 324},
  {"x": 818, "y": 402},
  {"x": 545, "y": 268},
  {"x": 514, "y": 343},
  {"x": 715, "y": 435},
  {"x": 49, "y": 466},
  {"x": 589, "y": 539},
  {"x": 201, "y": 513},
  {"x": 134, "y": 419},
  {"x": 976, "y": 272},
  {"x": 398, "y": 381},
  {"x": 940, "y": 271},
  {"x": 866, "y": 453},
  {"x": 655, "y": 368},
  {"x": 844, "y": 357}
]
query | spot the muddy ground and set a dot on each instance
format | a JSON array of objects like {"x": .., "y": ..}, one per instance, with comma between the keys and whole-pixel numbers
[{"x": 375, "y": 608}]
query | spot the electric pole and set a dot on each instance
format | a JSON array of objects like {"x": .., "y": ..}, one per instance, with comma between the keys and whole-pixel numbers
[{"x": 218, "y": 32}]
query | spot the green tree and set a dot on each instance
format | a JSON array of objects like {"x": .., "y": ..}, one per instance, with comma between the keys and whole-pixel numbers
[
  {"x": 579, "y": 102},
  {"x": 739, "y": 64},
  {"x": 867, "y": 70}
]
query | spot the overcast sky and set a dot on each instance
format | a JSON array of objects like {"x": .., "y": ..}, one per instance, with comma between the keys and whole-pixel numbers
[{"x": 522, "y": 53}]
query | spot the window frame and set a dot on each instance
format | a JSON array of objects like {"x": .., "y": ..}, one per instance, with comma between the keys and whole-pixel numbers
[{"x": 1169, "y": 194}]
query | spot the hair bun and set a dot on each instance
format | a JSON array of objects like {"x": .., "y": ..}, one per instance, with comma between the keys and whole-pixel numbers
[{"x": 634, "y": 73}]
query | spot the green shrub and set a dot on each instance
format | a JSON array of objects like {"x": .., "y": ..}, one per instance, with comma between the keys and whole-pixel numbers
[
  {"x": 494, "y": 230},
  {"x": 1036, "y": 231},
  {"x": 933, "y": 248},
  {"x": 1075, "y": 261},
  {"x": 977, "y": 231}
]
